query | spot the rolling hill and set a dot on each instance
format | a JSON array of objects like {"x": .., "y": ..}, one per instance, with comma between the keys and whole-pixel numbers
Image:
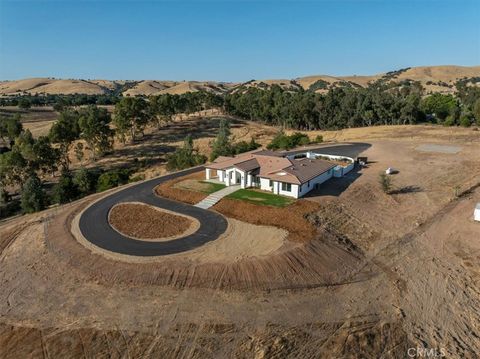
[{"x": 440, "y": 79}]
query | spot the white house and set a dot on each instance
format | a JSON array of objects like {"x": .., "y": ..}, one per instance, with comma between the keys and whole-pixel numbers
[
  {"x": 271, "y": 171},
  {"x": 476, "y": 213}
]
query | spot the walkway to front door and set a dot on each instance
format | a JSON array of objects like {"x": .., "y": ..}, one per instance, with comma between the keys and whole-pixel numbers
[{"x": 216, "y": 196}]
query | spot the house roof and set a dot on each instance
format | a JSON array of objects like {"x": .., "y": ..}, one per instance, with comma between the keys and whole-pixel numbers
[
  {"x": 274, "y": 166},
  {"x": 306, "y": 169},
  {"x": 248, "y": 165},
  {"x": 223, "y": 162}
]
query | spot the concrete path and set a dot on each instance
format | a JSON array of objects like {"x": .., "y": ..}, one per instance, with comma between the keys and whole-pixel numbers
[{"x": 216, "y": 196}]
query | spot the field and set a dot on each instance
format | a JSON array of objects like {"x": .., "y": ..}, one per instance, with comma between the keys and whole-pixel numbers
[{"x": 349, "y": 269}]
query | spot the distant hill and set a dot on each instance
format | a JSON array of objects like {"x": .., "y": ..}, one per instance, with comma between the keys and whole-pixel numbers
[{"x": 440, "y": 79}]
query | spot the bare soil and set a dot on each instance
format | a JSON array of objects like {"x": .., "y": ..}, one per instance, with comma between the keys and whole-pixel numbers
[{"x": 146, "y": 222}]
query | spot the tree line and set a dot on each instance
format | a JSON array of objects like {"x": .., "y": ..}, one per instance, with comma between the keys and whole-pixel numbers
[
  {"x": 345, "y": 107},
  {"x": 25, "y": 159}
]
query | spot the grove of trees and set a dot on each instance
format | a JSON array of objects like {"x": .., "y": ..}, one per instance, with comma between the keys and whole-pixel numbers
[{"x": 25, "y": 160}]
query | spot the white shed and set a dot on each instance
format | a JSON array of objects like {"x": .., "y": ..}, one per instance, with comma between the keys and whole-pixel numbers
[{"x": 476, "y": 213}]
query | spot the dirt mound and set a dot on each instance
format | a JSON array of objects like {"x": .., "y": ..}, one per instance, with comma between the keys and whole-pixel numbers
[{"x": 142, "y": 221}]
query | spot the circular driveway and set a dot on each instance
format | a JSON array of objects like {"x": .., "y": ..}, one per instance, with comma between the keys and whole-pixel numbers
[{"x": 96, "y": 229}]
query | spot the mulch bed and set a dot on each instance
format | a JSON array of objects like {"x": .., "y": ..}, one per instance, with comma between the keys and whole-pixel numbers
[
  {"x": 145, "y": 222},
  {"x": 292, "y": 218}
]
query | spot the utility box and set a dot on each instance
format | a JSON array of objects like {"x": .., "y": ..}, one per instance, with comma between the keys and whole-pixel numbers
[
  {"x": 476, "y": 213},
  {"x": 362, "y": 159}
]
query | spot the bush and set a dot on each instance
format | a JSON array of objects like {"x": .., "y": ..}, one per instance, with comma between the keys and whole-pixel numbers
[
  {"x": 284, "y": 142},
  {"x": 244, "y": 146},
  {"x": 185, "y": 157},
  {"x": 449, "y": 121},
  {"x": 66, "y": 189},
  {"x": 318, "y": 139},
  {"x": 386, "y": 183},
  {"x": 33, "y": 195},
  {"x": 111, "y": 179},
  {"x": 136, "y": 178},
  {"x": 465, "y": 121},
  {"x": 86, "y": 180}
]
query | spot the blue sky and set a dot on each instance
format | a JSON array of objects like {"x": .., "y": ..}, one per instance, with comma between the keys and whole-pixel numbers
[{"x": 232, "y": 40}]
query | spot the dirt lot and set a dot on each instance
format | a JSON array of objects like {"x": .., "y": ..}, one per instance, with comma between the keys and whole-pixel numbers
[
  {"x": 145, "y": 222},
  {"x": 381, "y": 273}
]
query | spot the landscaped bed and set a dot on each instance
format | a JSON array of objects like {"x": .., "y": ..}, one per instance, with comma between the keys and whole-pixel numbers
[
  {"x": 170, "y": 189},
  {"x": 192, "y": 184},
  {"x": 259, "y": 197},
  {"x": 291, "y": 218},
  {"x": 145, "y": 222}
]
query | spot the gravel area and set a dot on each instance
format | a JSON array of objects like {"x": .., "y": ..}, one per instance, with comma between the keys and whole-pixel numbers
[
  {"x": 145, "y": 222},
  {"x": 439, "y": 148}
]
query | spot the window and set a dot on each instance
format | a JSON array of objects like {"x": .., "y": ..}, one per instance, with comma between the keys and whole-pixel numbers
[
  {"x": 308, "y": 184},
  {"x": 270, "y": 183},
  {"x": 287, "y": 187}
]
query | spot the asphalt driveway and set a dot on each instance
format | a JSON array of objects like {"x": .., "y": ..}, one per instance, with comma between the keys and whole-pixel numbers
[{"x": 96, "y": 229}]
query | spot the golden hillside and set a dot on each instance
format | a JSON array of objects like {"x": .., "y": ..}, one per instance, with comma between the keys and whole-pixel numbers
[{"x": 433, "y": 78}]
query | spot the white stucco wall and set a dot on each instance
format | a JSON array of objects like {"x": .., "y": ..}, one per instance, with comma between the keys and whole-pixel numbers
[
  {"x": 317, "y": 180},
  {"x": 292, "y": 193},
  {"x": 233, "y": 180},
  {"x": 265, "y": 184}
]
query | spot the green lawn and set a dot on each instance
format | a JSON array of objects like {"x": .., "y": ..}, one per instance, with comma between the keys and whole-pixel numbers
[
  {"x": 212, "y": 187},
  {"x": 258, "y": 197}
]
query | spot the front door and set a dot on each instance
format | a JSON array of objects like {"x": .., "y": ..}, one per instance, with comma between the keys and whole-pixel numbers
[{"x": 238, "y": 177}]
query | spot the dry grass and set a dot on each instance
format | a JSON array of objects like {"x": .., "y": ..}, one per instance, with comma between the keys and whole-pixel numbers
[{"x": 168, "y": 189}]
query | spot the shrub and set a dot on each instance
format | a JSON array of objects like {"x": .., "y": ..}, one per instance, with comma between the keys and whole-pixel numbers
[
  {"x": 86, "y": 180},
  {"x": 33, "y": 195},
  {"x": 136, "y": 178},
  {"x": 185, "y": 157},
  {"x": 465, "y": 121},
  {"x": 449, "y": 121},
  {"x": 65, "y": 190},
  {"x": 111, "y": 179},
  {"x": 386, "y": 183},
  {"x": 244, "y": 146},
  {"x": 284, "y": 142}
]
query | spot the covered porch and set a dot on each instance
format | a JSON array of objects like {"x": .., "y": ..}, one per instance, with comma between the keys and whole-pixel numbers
[{"x": 233, "y": 176}]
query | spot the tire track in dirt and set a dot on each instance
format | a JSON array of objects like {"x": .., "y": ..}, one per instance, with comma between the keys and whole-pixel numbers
[{"x": 319, "y": 262}]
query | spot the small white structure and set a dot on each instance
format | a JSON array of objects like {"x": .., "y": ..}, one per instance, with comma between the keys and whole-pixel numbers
[
  {"x": 390, "y": 171},
  {"x": 476, "y": 213}
]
